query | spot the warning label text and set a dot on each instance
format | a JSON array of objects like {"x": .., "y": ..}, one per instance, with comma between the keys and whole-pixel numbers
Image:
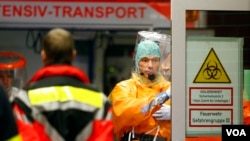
[
  {"x": 210, "y": 117},
  {"x": 210, "y": 96}
]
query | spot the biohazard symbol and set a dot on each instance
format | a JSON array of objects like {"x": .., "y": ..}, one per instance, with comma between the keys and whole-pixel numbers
[{"x": 212, "y": 71}]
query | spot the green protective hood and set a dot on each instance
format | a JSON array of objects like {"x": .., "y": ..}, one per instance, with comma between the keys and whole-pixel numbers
[{"x": 146, "y": 48}]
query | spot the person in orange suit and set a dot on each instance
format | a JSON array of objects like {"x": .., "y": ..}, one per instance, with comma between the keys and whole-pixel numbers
[{"x": 141, "y": 104}]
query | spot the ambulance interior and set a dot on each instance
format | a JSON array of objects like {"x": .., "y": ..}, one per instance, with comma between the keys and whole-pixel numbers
[{"x": 105, "y": 53}]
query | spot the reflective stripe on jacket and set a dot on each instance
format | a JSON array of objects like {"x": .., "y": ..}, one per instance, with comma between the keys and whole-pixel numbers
[
  {"x": 15, "y": 138},
  {"x": 61, "y": 102},
  {"x": 66, "y": 109},
  {"x": 28, "y": 129}
]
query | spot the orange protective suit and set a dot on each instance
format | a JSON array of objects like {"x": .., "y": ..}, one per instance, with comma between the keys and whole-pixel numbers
[
  {"x": 246, "y": 112},
  {"x": 128, "y": 97}
]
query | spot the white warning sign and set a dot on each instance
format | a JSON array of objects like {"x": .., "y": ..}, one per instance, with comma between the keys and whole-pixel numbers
[{"x": 213, "y": 84}]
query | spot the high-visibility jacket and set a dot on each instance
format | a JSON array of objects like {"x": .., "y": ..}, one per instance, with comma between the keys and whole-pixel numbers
[
  {"x": 128, "y": 97},
  {"x": 28, "y": 130},
  {"x": 61, "y": 104},
  {"x": 8, "y": 127}
]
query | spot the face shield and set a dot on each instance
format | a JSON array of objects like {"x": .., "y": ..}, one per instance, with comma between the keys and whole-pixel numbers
[
  {"x": 163, "y": 43},
  {"x": 12, "y": 70}
]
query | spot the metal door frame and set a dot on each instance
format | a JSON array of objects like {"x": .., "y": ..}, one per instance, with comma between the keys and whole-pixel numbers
[{"x": 178, "y": 9}]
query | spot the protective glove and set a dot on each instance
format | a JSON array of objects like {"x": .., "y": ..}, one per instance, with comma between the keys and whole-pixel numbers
[
  {"x": 163, "y": 113},
  {"x": 158, "y": 100},
  {"x": 163, "y": 97},
  {"x": 168, "y": 91}
]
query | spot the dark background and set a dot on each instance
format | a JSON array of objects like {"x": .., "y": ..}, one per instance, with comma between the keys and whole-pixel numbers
[{"x": 232, "y": 24}]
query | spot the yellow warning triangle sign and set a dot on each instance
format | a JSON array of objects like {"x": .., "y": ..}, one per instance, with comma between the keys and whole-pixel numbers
[{"x": 212, "y": 71}]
